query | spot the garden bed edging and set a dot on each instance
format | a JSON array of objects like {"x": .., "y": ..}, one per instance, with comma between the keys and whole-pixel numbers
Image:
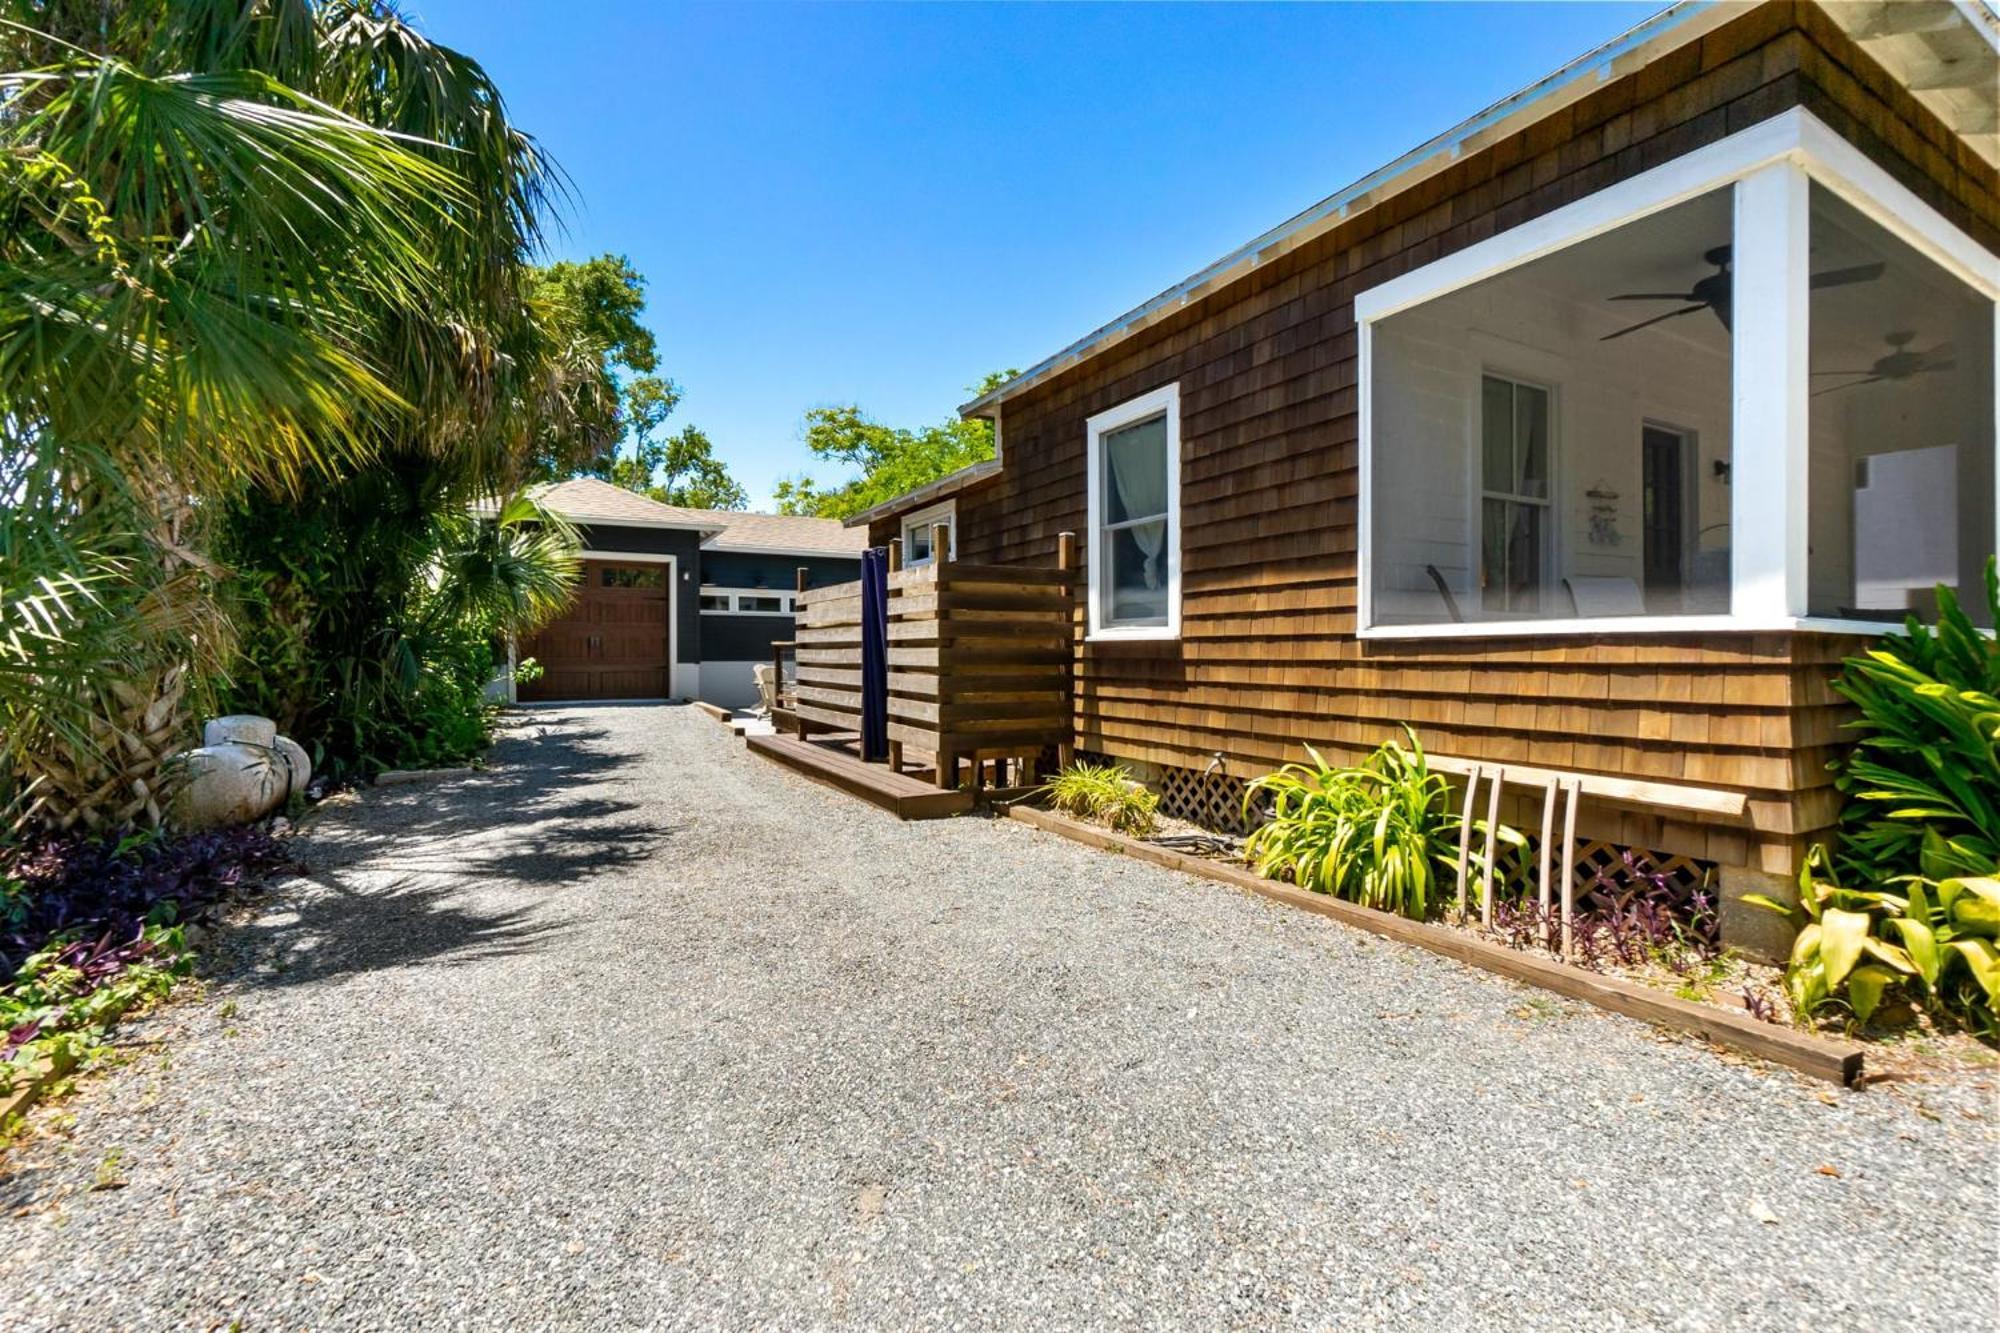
[{"x": 1820, "y": 1057}]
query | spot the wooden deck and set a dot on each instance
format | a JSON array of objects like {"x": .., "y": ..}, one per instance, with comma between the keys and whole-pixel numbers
[{"x": 831, "y": 762}]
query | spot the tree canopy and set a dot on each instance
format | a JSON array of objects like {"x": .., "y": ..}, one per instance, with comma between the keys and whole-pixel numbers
[
  {"x": 892, "y": 459},
  {"x": 591, "y": 310}
]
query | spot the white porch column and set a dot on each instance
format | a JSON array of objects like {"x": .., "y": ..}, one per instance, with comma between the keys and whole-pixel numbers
[{"x": 1768, "y": 498}]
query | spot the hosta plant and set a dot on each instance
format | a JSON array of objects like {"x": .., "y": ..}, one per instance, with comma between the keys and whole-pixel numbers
[
  {"x": 1380, "y": 833},
  {"x": 1105, "y": 793},
  {"x": 1932, "y": 941}
]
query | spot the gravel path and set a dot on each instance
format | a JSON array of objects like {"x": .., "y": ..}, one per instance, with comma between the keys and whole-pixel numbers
[{"x": 638, "y": 1030}]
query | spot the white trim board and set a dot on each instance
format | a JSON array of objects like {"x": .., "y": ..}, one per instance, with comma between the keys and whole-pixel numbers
[
  {"x": 1772, "y": 166},
  {"x": 1165, "y": 400}
]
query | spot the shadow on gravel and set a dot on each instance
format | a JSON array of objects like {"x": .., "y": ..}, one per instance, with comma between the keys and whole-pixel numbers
[
  {"x": 339, "y": 931},
  {"x": 528, "y": 817},
  {"x": 397, "y": 873}
]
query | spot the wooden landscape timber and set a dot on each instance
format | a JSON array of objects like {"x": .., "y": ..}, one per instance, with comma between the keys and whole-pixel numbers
[{"x": 1834, "y": 1061}]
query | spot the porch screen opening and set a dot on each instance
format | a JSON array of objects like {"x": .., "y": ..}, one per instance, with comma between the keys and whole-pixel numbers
[
  {"x": 1552, "y": 443},
  {"x": 1135, "y": 587},
  {"x": 1900, "y": 426}
]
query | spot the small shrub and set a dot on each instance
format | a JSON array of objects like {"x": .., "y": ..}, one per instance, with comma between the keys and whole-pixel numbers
[
  {"x": 1378, "y": 833},
  {"x": 1934, "y": 942},
  {"x": 527, "y": 671},
  {"x": 1105, "y": 793}
]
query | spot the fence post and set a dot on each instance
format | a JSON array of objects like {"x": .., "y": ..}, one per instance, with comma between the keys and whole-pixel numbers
[{"x": 1066, "y": 564}]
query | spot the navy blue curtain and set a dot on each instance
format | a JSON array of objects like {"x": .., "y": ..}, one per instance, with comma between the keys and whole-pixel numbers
[{"x": 875, "y": 654}]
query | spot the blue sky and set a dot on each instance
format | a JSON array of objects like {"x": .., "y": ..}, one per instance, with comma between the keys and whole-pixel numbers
[{"x": 879, "y": 203}]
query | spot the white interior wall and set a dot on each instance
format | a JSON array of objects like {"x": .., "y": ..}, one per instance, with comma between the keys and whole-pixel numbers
[{"x": 1428, "y": 363}]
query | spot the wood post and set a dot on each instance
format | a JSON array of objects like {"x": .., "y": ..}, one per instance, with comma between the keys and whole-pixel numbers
[
  {"x": 1492, "y": 845},
  {"x": 804, "y": 581},
  {"x": 1568, "y": 860},
  {"x": 941, "y": 544},
  {"x": 1548, "y": 852},
  {"x": 1066, "y": 563},
  {"x": 1465, "y": 832},
  {"x": 895, "y": 555}
]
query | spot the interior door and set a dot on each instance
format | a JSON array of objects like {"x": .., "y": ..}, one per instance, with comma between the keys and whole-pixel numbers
[{"x": 1664, "y": 489}]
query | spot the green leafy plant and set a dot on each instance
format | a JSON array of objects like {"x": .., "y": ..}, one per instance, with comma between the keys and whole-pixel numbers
[
  {"x": 1932, "y": 940},
  {"x": 1380, "y": 833},
  {"x": 1105, "y": 793},
  {"x": 527, "y": 671},
  {"x": 1923, "y": 781}
]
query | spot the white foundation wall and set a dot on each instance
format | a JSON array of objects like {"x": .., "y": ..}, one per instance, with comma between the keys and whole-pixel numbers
[{"x": 728, "y": 684}]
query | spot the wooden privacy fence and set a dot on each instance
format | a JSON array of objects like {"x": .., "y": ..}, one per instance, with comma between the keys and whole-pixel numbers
[{"x": 979, "y": 662}]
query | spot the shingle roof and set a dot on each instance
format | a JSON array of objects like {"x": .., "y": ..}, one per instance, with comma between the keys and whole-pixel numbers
[{"x": 589, "y": 500}]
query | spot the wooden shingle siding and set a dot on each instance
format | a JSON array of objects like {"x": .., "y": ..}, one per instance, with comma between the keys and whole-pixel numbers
[{"x": 1268, "y": 662}]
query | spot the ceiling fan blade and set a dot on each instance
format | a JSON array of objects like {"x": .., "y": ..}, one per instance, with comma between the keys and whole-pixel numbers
[
  {"x": 1841, "y": 277},
  {"x": 1648, "y": 323},
  {"x": 1836, "y": 388},
  {"x": 1930, "y": 366},
  {"x": 1654, "y": 296}
]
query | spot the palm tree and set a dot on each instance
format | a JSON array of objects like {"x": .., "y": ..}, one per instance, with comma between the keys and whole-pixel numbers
[{"x": 250, "y": 250}]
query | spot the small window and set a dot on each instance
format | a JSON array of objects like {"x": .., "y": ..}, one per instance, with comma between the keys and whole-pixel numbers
[
  {"x": 917, "y": 532},
  {"x": 1134, "y": 518},
  {"x": 760, "y": 603},
  {"x": 715, "y": 601},
  {"x": 649, "y": 576}
]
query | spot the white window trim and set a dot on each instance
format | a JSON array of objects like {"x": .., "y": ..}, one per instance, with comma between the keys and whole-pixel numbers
[
  {"x": 1773, "y": 165},
  {"x": 1167, "y": 400},
  {"x": 945, "y": 512},
  {"x": 735, "y": 593}
]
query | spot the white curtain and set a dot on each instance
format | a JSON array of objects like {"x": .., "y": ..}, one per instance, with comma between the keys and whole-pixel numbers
[{"x": 1139, "y": 480}]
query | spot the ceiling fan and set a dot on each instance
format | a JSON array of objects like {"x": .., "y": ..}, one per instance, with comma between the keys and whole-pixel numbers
[
  {"x": 1900, "y": 363},
  {"x": 1713, "y": 292}
]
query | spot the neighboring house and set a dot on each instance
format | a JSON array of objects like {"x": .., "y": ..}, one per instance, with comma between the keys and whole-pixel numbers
[
  {"x": 1588, "y": 435},
  {"x": 677, "y": 603}
]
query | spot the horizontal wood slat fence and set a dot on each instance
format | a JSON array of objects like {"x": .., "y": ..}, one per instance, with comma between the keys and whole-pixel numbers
[{"x": 979, "y": 661}]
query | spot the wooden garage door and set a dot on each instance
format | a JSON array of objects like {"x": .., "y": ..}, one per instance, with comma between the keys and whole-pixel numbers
[{"x": 613, "y": 642}]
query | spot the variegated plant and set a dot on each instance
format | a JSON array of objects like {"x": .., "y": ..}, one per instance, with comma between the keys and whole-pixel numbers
[{"x": 1932, "y": 940}]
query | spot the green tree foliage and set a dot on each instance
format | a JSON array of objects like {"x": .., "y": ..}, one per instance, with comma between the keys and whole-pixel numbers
[
  {"x": 676, "y": 469},
  {"x": 592, "y": 310},
  {"x": 267, "y": 303},
  {"x": 892, "y": 460}
]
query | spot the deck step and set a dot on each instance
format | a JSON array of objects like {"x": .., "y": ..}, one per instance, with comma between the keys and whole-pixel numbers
[{"x": 905, "y": 796}]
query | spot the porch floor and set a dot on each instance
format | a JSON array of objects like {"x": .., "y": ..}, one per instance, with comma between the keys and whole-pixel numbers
[{"x": 831, "y": 760}]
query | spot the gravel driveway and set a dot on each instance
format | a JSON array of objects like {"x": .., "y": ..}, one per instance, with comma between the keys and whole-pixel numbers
[{"x": 636, "y": 1029}]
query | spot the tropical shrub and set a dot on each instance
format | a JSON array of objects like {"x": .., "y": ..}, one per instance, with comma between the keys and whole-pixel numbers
[
  {"x": 90, "y": 926},
  {"x": 1105, "y": 793},
  {"x": 1932, "y": 941},
  {"x": 1923, "y": 781},
  {"x": 1380, "y": 833}
]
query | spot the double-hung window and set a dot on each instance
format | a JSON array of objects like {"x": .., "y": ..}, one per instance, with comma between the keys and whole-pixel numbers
[
  {"x": 1134, "y": 460},
  {"x": 1514, "y": 499}
]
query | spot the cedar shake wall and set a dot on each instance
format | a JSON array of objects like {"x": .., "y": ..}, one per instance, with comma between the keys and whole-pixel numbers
[{"x": 1268, "y": 661}]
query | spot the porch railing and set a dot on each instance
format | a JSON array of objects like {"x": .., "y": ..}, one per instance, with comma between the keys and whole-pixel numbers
[{"x": 979, "y": 663}]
